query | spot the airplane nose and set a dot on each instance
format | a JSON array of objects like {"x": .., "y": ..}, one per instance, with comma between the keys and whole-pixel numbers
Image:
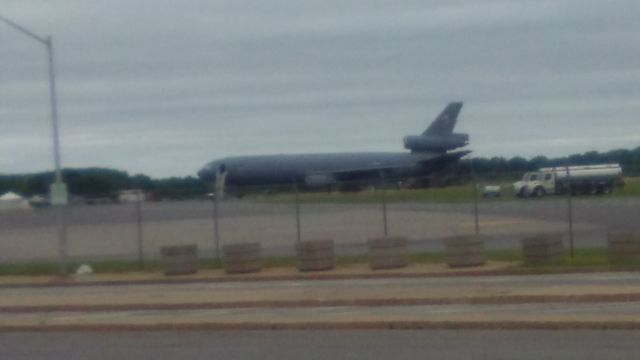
[
  {"x": 208, "y": 173},
  {"x": 203, "y": 174}
]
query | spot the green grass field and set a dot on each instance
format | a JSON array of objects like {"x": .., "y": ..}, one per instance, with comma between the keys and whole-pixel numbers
[
  {"x": 449, "y": 194},
  {"x": 631, "y": 188}
]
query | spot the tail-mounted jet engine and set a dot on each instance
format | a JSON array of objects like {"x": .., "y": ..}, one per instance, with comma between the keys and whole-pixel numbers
[{"x": 436, "y": 143}]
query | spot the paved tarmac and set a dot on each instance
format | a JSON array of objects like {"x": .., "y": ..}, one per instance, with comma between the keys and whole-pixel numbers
[
  {"x": 319, "y": 290},
  {"x": 350, "y": 316},
  {"x": 109, "y": 231},
  {"x": 310, "y": 345}
]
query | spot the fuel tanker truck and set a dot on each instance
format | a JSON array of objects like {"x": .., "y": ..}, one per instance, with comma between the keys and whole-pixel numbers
[{"x": 589, "y": 179}]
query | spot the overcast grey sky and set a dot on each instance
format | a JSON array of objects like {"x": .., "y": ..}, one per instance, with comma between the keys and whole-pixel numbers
[{"x": 161, "y": 87}]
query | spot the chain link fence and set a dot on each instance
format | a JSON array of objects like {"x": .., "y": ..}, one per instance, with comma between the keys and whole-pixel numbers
[{"x": 348, "y": 213}]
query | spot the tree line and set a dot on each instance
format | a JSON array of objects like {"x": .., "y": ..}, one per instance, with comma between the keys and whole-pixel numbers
[
  {"x": 103, "y": 182},
  {"x": 515, "y": 167}
]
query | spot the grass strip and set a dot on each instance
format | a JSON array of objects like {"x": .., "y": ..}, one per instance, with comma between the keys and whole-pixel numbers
[
  {"x": 588, "y": 259},
  {"x": 450, "y": 194}
]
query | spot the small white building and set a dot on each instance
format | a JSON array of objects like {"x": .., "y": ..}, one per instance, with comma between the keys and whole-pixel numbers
[
  {"x": 13, "y": 201},
  {"x": 129, "y": 196}
]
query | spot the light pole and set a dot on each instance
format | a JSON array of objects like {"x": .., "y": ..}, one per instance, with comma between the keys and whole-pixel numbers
[{"x": 58, "y": 194}]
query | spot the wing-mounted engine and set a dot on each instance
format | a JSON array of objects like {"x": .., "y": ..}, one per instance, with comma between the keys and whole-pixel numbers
[
  {"x": 435, "y": 143},
  {"x": 316, "y": 180}
]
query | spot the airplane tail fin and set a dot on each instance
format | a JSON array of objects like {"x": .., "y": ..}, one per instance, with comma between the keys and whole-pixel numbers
[{"x": 446, "y": 121}]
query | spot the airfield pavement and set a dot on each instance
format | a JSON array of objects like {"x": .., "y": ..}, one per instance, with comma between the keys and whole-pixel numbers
[{"x": 109, "y": 231}]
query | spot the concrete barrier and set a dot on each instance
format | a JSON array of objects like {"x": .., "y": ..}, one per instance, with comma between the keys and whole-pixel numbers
[
  {"x": 315, "y": 255},
  {"x": 388, "y": 253},
  {"x": 623, "y": 246},
  {"x": 542, "y": 248},
  {"x": 242, "y": 258},
  {"x": 465, "y": 251},
  {"x": 180, "y": 260}
]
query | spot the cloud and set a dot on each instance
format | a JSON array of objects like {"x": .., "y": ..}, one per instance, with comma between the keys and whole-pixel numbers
[{"x": 162, "y": 87}]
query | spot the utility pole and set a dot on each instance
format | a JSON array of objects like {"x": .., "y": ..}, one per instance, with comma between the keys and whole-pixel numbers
[{"x": 59, "y": 195}]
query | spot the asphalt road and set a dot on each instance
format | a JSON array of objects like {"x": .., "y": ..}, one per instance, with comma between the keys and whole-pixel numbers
[
  {"x": 309, "y": 345},
  {"x": 537, "y": 313},
  {"x": 478, "y": 286},
  {"x": 62, "y": 306},
  {"x": 109, "y": 231}
]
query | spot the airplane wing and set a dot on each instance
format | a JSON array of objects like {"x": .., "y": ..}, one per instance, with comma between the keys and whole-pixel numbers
[{"x": 382, "y": 171}]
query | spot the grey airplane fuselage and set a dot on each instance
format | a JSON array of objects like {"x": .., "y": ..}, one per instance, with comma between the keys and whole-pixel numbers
[{"x": 302, "y": 168}]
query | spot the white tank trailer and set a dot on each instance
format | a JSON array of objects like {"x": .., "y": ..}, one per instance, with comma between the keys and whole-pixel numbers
[{"x": 588, "y": 179}]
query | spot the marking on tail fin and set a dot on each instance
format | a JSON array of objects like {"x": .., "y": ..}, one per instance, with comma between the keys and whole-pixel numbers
[{"x": 446, "y": 121}]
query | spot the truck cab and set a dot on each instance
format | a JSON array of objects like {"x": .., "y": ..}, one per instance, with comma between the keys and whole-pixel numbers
[{"x": 537, "y": 184}]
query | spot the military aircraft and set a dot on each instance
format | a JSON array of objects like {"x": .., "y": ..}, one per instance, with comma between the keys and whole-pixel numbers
[{"x": 429, "y": 152}]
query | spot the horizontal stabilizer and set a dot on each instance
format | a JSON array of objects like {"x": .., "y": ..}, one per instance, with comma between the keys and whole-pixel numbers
[{"x": 446, "y": 159}]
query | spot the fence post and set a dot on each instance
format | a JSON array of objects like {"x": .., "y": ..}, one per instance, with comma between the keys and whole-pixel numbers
[
  {"x": 569, "y": 211},
  {"x": 475, "y": 208},
  {"x": 216, "y": 227},
  {"x": 138, "y": 205},
  {"x": 384, "y": 209},
  {"x": 62, "y": 239},
  {"x": 474, "y": 181},
  {"x": 296, "y": 200}
]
